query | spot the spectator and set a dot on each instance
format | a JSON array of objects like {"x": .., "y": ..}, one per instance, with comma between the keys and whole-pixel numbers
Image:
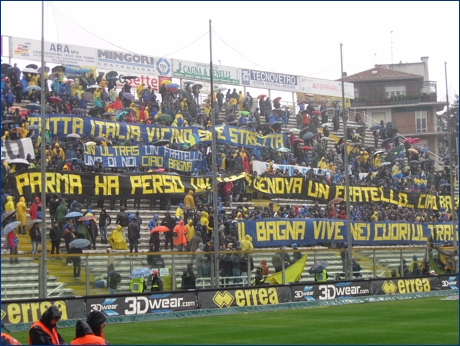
[
  {"x": 157, "y": 283},
  {"x": 133, "y": 235},
  {"x": 179, "y": 236},
  {"x": 85, "y": 336},
  {"x": 44, "y": 331},
  {"x": 414, "y": 266},
  {"x": 113, "y": 279},
  {"x": 188, "y": 278},
  {"x": 259, "y": 279},
  {"x": 12, "y": 244},
  {"x": 35, "y": 237},
  {"x": 21, "y": 214},
  {"x": 96, "y": 320}
]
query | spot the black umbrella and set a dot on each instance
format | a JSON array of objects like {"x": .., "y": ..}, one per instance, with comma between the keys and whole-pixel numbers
[
  {"x": 129, "y": 110},
  {"x": 162, "y": 142},
  {"x": 318, "y": 267},
  {"x": 128, "y": 96},
  {"x": 78, "y": 111},
  {"x": 108, "y": 114},
  {"x": 96, "y": 111},
  {"x": 35, "y": 67},
  {"x": 5, "y": 67},
  {"x": 49, "y": 109},
  {"x": 100, "y": 139},
  {"x": 375, "y": 127},
  {"x": 5, "y": 122},
  {"x": 58, "y": 69},
  {"x": 111, "y": 74},
  {"x": 308, "y": 135},
  {"x": 8, "y": 214}
]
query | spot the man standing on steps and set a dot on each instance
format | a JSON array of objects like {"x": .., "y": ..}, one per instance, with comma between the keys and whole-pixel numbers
[
  {"x": 61, "y": 212},
  {"x": 52, "y": 206},
  {"x": 55, "y": 236},
  {"x": 133, "y": 235}
]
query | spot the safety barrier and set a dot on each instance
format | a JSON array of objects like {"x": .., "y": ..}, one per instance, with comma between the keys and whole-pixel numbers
[{"x": 18, "y": 315}]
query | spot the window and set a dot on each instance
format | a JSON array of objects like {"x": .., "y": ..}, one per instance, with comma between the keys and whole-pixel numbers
[
  {"x": 420, "y": 121},
  {"x": 424, "y": 144},
  {"x": 395, "y": 91},
  {"x": 356, "y": 93}
]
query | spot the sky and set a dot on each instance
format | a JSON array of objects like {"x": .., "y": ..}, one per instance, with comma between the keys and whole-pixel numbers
[{"x": 300, "y": 38}]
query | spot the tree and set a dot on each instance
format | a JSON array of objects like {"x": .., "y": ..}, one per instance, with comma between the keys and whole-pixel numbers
[{"x": 448, "y": 123}]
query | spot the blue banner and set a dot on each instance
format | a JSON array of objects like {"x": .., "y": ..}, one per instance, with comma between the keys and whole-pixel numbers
[
  {"x": 285, "y": 232},
  {"x": 146, "y": 156},
  {"x": 244, "y": 137}
]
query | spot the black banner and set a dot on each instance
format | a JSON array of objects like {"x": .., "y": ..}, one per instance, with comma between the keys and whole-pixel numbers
[
  {"x": 142, "y": 304},
  {"x": 449, "y": 282},
  {"x": 254, "y": 296},
  {"x": 405, "y": 285},
  {"x": 328, "y": 291},
  {"x": 28, "y": 311}
]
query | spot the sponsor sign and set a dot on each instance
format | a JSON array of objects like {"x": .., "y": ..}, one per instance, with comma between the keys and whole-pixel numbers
[
  {"x": 255, "y": 296},
  {"x": 163, "y": 66},
  {"x": 405, "y": 285},
  {"x": 326, "y": 87},
  {"x": 132, "y": 156},
  {"x": 261, "y": 167},
  {"x": 449, "y": 282},
  {"x": 142, "y": 304},
  {"x": 201, "y": 72},
  {"x": 19, "y": 148},
  {"x": 125, "y": 62},
  {"x": 328, "y": 291},
  {"x": 55, "y": 52},
  {"x": 269, "y": 80},
  {"x": 28, "y": 311}
]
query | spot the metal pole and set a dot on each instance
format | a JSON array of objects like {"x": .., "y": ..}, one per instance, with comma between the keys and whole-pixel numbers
[
  {"x": 453, "y": 213},
  {"x": 44, "y": 278},
  {"x": 214, "y": 165},
  {"x": 349, "y": 268}
]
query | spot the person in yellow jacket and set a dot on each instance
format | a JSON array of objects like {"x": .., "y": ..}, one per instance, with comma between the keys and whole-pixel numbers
[
  {"x": 139, "y": 91},
  {"x": 207, "y": 109},
  {"x": 21, "y": 214},
  {"x": 73, "y": 86},
  {"x": 136, "y": 111},
  {"x": 117, "y": 240},
  {"x": 190, "y": 231},
  {"x": 322, "y": 163},
  {"x": 79, "y": 92},
  {"x": 183, "y": 104},
  {"x": 240, "y": 100},
  {"x": 33, "y": 80},
  {"x": 233, "y": 103},
  {"x": 96, "y": 93},
  {"x": 377, "y": 161},
  {"x": 189, "y": 200},
  {"x": 58, "y": 150},
  {"x": 239, "y": 216},
  {"x": 246, "y": 244},
  {"x": 365, "y": 156},
  {"x": 9, "y": 205},
  {"x": 204, "y": 219},
  {"x": 375, "y": 216},
  {"x": 396, "y": 169},
  {"x": 180, "y": 211}
]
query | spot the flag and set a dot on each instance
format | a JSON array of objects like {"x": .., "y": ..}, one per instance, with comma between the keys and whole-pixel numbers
[
  {"x": 195, "y": 139},
  {"x": 291, "y": 273}
]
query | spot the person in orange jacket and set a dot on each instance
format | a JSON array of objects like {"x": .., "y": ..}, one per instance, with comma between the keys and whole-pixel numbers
[
  {"x": 179, "y": 236},
  {"x": 85, "y": 336},
  {"x": 8, "y": 339},
  {"x": 44, "y": 331},
  {"x": 96, "y": 320}
]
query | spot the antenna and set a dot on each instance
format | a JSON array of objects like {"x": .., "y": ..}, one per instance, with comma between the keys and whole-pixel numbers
[
  {"x": 375, "y": 61},
  {"x": 391, "y": 35}
]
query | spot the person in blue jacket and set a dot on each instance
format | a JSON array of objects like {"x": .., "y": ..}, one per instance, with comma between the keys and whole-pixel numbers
[{"x": 9, "y": 99}]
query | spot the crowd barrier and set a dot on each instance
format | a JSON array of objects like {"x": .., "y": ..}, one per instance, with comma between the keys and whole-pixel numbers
[{"x": 27, "y": 311}]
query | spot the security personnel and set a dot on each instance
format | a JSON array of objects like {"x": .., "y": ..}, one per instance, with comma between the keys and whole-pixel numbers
[
  {"x": 96, "y": 321},
  {"x": 259, "y": 279},
  {"x": 8, "y": 339},
  {"x": 85, "y": 336},
  {"x": 43, "y": 331},
  {"x": 137, "y": 285},
  {"x": 321, "y": 276},
  {"x": 157, "y": 283}
]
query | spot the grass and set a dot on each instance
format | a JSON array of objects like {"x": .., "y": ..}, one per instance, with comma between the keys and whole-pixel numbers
[{"x": 417, "y": 321}]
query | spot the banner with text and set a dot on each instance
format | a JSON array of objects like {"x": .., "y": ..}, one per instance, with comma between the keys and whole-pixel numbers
[
  {"x": 330, "y": 290},
  {"x": 301, "y": 188},
  {"x": 201, "y": 72},
  {"x": 328, "y": 100},
  {"x": 19, "y": 148},
  {"x": 146, "y": 156},
  {"x": 261, "y": 167},
  {"x": 55, "y": 52},
  {"x": 125, "y": 62},
  {"x": 269, "y": 80},
  {"x": 233, "y": 135},
  {"x": 111, "y": 186},
  {"x": 142, "y": 304},
  {"x": 405, "y": 285},
  {"x": 326, "y": 87},
  {"x": 284, "y": 232}
]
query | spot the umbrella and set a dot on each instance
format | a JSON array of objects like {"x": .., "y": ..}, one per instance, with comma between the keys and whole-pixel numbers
[
  {"x": 32, "y": 127},
  {"x": 327, "y": 124},
  {"x": 385, "y": 142},
  {"x": 100, "y": 139},
  {"x": 87, "y": 96},
  {"x": 108, "y": 114},
  {"x": 74, "y": 214},
  {"x": 95, "y": 111},
  {"x": 58, "y": 69},
  {"x": 29, "y": 70},
  {"x": 49, "y": 109},
  {"x": 24, "y": 112},
  {"x": 128, "y": 96},
  {"x": 87, "y": 218},
  {"x": 315, "y": 112},
  {"x": 119, "y": 115},
  {"x": 162, "y": 142},
  {"x": 415, "y": 141},
  {"x": 222, "y": 89},
  {"x": 188, "y": 82},
  {"x": 399, "y": 160},
  {"x": 336, "y": 201},
  {"x": 94, "y": 86},
  {"x": 245, "y": 113},
  {"x": 164, "y": 117},
  {"x": 297, "y": 140},
  {"x": 5, "y": 67},
  {"x": 128, "y": 109},
  {"x": 318, "y": 267},
  {"x": 159, "y": 229},
  {"x": 277, "y": 99},
  {"x": 6, "y": 122},
  {"x": 111, "y": 74},
  {"x": 160, "y": 170},
  {"x": 308, "y": 135},
  {"x": 33, "y": 88},
  {"x": 198, "y": 86},
  {"x": 414, "y": 161},
  {"x": 56, "y": 99},
  {"x": 283, "y": 150},
  {"x": 411, "y": 150},
  {"x": 32, "y": 106},
  {"x": 379, "y": 152},
  {"x": 261, "y": 96},
  {"x": 33, "y": 222},
  {"x": 78, "y": 111},
  {"x": 408, "y": 139},
  {"x": 306, "y": 148},
  {"x": 13, "y": 109},
  {"x": 140, "y": 273},
  {"x": 11, "y": 226},
  {"x": 172, "y": 86},
  {"x": 35, "y": 67},
  {"x": 166, "y": 82},
  {"x": 73, "y": 135},
  {"x": 79, "y": 243},
  {"x": 385, "y": 164},
  {"x": 112, "y": 79},
  {"x": 124, "y": 78},
  {"x": 90, "y": 143},
  {"x": 8, "y": 214},
  {"x": 375, "y": 127},
  {"x": 19, "y": 161},
  {"x": 3, "y": 76}
]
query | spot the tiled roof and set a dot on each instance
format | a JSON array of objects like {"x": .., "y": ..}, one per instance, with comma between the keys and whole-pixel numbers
[{"x": 380, "y": 73}]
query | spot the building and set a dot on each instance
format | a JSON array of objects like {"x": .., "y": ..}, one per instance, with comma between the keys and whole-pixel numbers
[{"x": 403, "y": 94}]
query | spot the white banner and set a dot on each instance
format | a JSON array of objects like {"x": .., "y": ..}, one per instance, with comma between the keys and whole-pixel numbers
[
  {"x": 130, "y": 63},
  {"x": 55, "y": 52},
  {"x": 201, "y": 72},
  {"x": 17, "y": 149},
  {"x": 149, "y": 79},
  {"x": 269, "y": 80},
  {"x": 326, "y": 87},
  {"x": 261, "y": 167}
]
